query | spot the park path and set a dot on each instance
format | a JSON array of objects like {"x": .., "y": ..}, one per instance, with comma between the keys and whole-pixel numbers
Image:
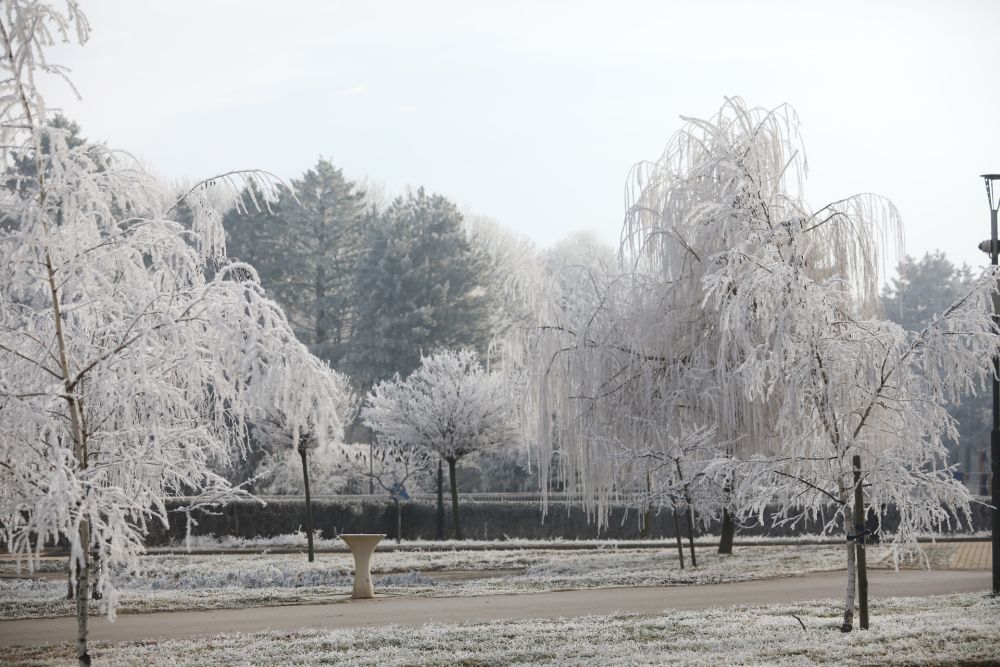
[
  {"x": 415, "y": 611},
  {"x": 972, "y": 556},
  {"x": 958, "y": 555}
]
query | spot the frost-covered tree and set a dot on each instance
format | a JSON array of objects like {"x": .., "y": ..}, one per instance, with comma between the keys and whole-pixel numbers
[
  {"x": 614, "y": 420},
  {"x": 280, "y": 471},
  {"x": 864, "y": 412},
  {"x": 288, "y": 435},
  {"x": 831, "y": 397},
  {"x": 448, "y": 405},
  {"x": 659, "y": 347},
  {"x": 513, "y": 277},
  {"x": 688, "y": 209},
  {"x": 562, "y": 288},
  {"x": 22, "y": 168},
  {"x": 133, "y": 353},
  {"x": 923, "y": 289},
  {"x": 422, "y": 286},
  {"x": 576, "y": 269},
  {"x": 678, "y": 478},
  {"x": 751, "y": 314}
]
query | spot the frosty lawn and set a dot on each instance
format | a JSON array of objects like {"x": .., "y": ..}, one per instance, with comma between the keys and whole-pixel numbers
[
  {"x": 939, "y": 630},
  {"x": 201, "y": 581}
]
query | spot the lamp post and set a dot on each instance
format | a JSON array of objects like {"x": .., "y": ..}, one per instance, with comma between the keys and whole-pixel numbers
[{"x": 992, "y": 247}]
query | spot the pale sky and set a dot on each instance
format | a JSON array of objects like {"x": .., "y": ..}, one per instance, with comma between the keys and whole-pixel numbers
[{"x": 532, "y": 113}]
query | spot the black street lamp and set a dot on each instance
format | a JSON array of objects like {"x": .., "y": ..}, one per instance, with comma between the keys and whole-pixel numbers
[{"x": 992, "y": 248}]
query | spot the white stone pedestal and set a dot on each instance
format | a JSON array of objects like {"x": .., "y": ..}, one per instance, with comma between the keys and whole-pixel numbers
[{"x": 362, "y": 546}]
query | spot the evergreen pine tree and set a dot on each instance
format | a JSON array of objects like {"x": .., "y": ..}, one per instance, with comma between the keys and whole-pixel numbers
[
  {"x": 306, "y": 251},
  {"x": 924, "y": 288},
  {"x": 420, "y": 289}
]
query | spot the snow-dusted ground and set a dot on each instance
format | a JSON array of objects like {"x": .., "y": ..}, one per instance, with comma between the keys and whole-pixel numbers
[
  {"x": 943, "y": 630},
  {"x": 208, "y": 543},
  {"x": 298, "y": 541},
  {"x": 200, "y": 581}
]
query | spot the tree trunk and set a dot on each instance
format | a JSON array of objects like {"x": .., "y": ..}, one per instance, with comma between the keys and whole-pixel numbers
[
  {"x": 644, "y": 517},
  {"x": 728, "y": 527},
  {"x": 848, "y": 624},
  {"x": 677, "y": 534},
  {"x": 399, "y": 520},
  {"x": 690, "y": 506},
  {"x": 644, "y": 520},
  {"x": 83, "y": 595},
  {"x": 859, "y": 543},
  {"x": 95, "y": 589},
  {"x": 440, "y": 508},
  {"x": 454, "y": 499},
  {"x": 95, "y": 568},
  {"x": 79, "y": 453},
  {"x": 309, "y": 509},
  {"x": 728, "y": 530},
  {"x": 694, "y": 561}
]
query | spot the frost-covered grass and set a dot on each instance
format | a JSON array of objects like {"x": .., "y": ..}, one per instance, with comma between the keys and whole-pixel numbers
[
  {"x": 622, "y": 567},
  {"x": 202, "y": 581},
  {"x": 942, "y": 630},
  {"x": 205, "y": 582},
  {"x": 297, "y": 541}
]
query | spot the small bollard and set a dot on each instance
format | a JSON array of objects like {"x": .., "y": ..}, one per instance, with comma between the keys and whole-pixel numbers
[{"x": 362, "y": 547}]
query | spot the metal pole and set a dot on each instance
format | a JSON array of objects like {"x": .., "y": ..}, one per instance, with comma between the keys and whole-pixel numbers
[
  {"x": 995, "y": 433},
  {"x": 993, "y": 477}
]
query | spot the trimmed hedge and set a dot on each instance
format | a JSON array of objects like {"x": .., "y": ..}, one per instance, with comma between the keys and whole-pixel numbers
[{"x": 481, "y": 521}]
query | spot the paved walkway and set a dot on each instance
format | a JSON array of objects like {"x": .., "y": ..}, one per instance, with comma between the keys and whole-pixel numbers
[
  {"x": 966, "y": 555},
  {"x": 972, "y": 556},
  {"x": 415, "y": 611}
]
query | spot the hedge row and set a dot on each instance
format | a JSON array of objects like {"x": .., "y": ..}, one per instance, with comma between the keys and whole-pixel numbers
[{"x": 483, "y": 521}]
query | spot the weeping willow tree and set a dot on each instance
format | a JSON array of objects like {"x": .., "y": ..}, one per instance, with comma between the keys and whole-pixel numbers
[
  {"x": 717, "y": 183},
  {"x": 660, "y": 349},
  {"x": 746, "y": 316}
]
